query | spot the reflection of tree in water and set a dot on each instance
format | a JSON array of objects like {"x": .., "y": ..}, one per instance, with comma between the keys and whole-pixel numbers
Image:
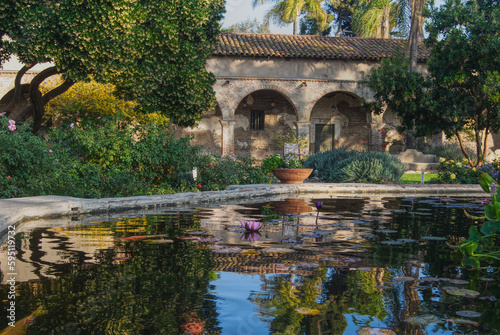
[
  {"x": 332, "y": 294},
  {"x": 152, "y": 289}
]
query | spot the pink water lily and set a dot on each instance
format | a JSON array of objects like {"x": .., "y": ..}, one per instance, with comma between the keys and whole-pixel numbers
[
  {"x": 251, "y": 225},
  {"x": 250, "y": 236}
]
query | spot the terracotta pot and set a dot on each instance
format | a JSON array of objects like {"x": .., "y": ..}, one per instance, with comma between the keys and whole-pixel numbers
[
  {"x": 292, "y": 176},
  {"x": 291, "y": 206}
]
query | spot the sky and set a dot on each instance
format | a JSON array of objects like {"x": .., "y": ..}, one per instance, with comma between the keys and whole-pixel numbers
[{"x": 241, "y": 10}]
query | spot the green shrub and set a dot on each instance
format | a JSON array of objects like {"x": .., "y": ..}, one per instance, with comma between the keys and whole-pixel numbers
[
  {"x": 327, "y": 164},
  {"x": 349, "y": 166},
  {"x": 219, "y": 172},
  {"x": 456, "y": 172},
  {"x": 371, "y": 167},
  {"x": 28, "y": 165},
  {"x": 270, "y": 163}
]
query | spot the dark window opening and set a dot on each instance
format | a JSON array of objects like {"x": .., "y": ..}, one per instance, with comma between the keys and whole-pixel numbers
[{"x": 257, "y": 120}]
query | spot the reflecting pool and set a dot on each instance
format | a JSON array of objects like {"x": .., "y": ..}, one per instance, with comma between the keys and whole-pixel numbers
[{"x": 350, "y": 266}]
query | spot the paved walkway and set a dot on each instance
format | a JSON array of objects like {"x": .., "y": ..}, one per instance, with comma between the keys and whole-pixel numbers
[{"x": 20, "y": 210}]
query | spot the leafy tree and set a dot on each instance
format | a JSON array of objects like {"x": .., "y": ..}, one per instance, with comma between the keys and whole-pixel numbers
[
  {"x": 248, "y": 26},
  {"x": 154, "y": 51},
  {"x": 343, "y": 11},
  {"x": 289, "y": 11},
  {"x": 462, "y": 90}
]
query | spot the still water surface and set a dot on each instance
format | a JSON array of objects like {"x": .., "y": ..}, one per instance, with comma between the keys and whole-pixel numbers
[{"x": 356, "y": 266}]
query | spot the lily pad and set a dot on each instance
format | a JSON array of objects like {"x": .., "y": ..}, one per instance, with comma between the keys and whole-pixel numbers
[
  {"x": 225, "y": 250},
  {"x": 209, "y": 239},
  {"x": 434, "y": 238},
  {"x": 307, "y": 311},
  {"x": 463, "y": 293},
  {"x": 307, "y": 265},
  {"x": 469, "y": 314},
  {"x": 290, "y": 240},
  {"x": 429, "y": 279},
  {"x": 375, "y": 331},
  {"x": 403, "y": 278},
  {"x": 459, "y": 281},
  {"x": 386, "y": 231},
  {"x": 277, "y": 250},
  {"x": 464, "y": 322},
  {"x": 159, "y": 241},
  {"x": 366, "y": 269},
  {"x": 406, "y": 240},
  {"x": 391, "y": 242},
  {"x": 423, "y": 320}
]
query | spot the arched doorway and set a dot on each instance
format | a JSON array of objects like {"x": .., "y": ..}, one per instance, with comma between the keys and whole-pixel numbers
[
  {"x": 338, "y": 120},
  {"x": 260, "y": 116}
]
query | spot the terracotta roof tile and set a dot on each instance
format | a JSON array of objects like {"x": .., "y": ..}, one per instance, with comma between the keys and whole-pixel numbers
[{"x": 308, "y": 46}]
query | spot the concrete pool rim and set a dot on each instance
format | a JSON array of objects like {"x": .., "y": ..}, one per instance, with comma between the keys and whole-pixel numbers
[{"x": 19, "y": 210}]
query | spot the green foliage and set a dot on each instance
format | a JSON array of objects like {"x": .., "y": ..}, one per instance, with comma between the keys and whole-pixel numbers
[
  {"x": 481, "y": 249},
  {"x": 216, "y": 173},
  {"x": 460, "y": 93},
  {"x": 270, "y": 163},
  {"x": 327, "y": 164},
  {"x": 91, "y": 101},
  {"x": 456, "y": 172},
  {"x": 153, "y": 51},
  {"x": 349, "y": 166},
  {"x": 371, "y": 167},
  {"x": 28, "y": 165},
  {"x": 248, "y": 26}
]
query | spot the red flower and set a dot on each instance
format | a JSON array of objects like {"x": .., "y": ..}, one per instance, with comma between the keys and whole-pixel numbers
[
  {"x": 383, "y": 145},
  {"x": 199, "y": 185},
  {"x": 8, "y": 177}
]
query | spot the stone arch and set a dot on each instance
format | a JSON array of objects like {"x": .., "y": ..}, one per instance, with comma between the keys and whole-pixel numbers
[
  {"x": 338, "y": 120},
  {"x": 258, "y": 118},
  {"x": 230, "y": 96}
]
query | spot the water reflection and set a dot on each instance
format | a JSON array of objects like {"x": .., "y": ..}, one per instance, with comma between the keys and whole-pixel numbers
[{"x": 356, "y": 266}]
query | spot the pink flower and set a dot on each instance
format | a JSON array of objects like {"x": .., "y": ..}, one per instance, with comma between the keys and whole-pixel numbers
[
  {"x": 2, "y": 114},
  {"x": 11, "y": 127},
  {"x": 72, "y": 125},
  {"x": 12, "y": 122},
  {"x": 50, "y": 151},
  {"x": 251, "y": 225}
]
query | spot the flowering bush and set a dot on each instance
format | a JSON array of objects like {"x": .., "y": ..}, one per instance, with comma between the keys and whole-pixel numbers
[{"x": 456, "y": 172}]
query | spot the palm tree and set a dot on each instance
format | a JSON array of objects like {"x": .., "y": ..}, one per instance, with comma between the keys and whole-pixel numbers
[
  {"x": 416, "y": 31},
  {"x": 289, "y": 11},
  {"x": 375, "y": 18}
]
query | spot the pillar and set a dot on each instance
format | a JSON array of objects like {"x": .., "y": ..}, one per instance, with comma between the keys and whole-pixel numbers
[
  {"x": 227, "y": 137},
  {"x": 304, "y": 129}
]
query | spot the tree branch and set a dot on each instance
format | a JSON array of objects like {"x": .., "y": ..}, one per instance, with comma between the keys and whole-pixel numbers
[
  {"x": 36, "y": 106},
  {"x": 462, "y": 148},
  {"x": 17, "y": 89}
]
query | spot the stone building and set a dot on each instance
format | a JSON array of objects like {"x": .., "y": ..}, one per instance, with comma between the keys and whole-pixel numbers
[{"x": 269, "y": 85}]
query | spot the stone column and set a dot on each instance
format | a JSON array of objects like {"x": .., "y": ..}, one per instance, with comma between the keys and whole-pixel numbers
[
  {"x": 304, "y": 129},
  {"x": 376, "y": 139},
  {"x": 227, "y": 137}
]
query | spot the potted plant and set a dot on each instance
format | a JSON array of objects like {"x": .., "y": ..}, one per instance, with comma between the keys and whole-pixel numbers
[{"x": 288, "y": 168}]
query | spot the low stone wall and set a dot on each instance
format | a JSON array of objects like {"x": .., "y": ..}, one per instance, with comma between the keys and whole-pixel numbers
[{"x": 33, "y": 210}]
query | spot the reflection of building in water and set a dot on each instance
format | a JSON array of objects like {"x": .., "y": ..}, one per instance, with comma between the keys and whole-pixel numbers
[{"x": 44, "y": 251}]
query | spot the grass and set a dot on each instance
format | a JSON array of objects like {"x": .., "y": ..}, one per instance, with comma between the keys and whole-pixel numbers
[{"x": 414, "y": 178}]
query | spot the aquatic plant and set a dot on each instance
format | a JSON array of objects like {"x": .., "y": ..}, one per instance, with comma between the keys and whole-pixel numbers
[
  {"x": 251, "y": 225},
  {"x": 480, "y": 248}
]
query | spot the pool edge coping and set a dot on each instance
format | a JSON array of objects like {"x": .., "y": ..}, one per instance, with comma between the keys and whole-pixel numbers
[{"x": 18, "y": 210}]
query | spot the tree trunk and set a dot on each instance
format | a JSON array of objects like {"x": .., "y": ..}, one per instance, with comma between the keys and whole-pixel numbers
[
  {"x": 296, "y": 24},
  {"x": 416, "y": 31},
  {"x": 17, "y": 89}
]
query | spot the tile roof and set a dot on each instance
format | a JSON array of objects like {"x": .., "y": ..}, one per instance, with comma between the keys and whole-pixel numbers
[{"x": 308, "y": 46}]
